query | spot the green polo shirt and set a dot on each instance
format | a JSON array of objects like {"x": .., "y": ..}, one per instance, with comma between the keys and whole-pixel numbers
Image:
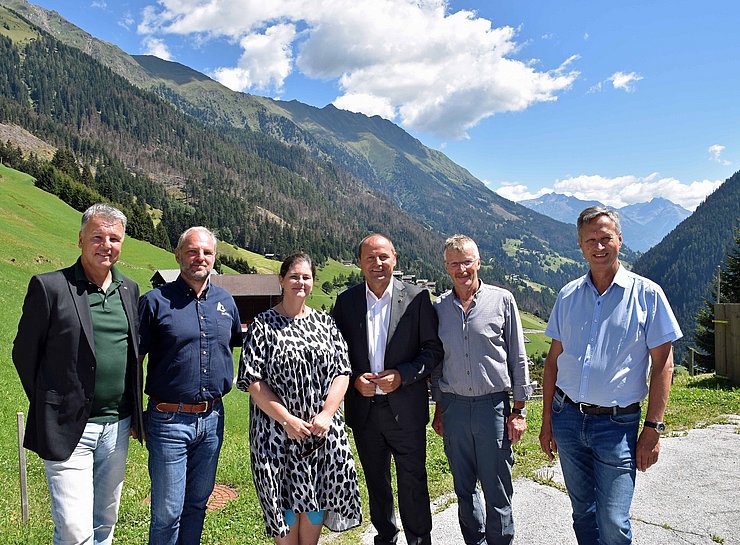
[{"x": 111, "y": 401}]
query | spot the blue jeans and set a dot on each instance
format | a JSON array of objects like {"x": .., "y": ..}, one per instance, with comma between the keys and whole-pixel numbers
[
  {"x": 478, "y": 449},
  {"x": 597, "y": 454},
  {"x": 183, "y": 457},
  {"x": 85, "y": 488}
]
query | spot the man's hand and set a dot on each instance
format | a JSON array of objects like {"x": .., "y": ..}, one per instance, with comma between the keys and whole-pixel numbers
[
  {"x": 547, "y": 441},
  {"x": 437, "y": 421},
  {"x": 388, "y": 380},
  {"x": 365, "y": 385},
  {"x": 648, "y": 448},
  {"x": 516, "y": 425}
]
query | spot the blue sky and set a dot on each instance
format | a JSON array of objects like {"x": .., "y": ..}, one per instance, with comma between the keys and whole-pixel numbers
[{"x": 615, "y": 101}]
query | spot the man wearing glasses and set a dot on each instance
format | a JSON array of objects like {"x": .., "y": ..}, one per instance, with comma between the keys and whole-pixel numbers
[
  {"x": 606, "y": 327},
  {"x": 484, "y": 362}
]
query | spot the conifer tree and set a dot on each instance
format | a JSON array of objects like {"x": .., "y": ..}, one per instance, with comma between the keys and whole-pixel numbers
[{"x": 729, "y": 293}]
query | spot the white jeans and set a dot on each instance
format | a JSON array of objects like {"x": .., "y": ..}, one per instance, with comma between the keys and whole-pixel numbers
[{"x": 86, "y": 488}]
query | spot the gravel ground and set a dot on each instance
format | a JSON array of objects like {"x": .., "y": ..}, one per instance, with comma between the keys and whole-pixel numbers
[{"x": 690, "y": 497}]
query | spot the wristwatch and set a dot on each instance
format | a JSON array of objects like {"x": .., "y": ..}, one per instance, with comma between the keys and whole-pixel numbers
[
  {"x": 657, "y": 426},
  {"x": 521, "y": 412}
]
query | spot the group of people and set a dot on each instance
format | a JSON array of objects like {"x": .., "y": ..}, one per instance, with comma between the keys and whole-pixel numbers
[{"x": 84, "y": 333}]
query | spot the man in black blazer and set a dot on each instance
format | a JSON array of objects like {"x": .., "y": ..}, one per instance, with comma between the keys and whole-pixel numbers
[
  {"x": 76, "y": 353},
  {"x": 391, "y": 331}
]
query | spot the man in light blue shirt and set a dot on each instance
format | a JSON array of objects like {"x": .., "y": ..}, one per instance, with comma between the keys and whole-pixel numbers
[{"x": 611, "y": 330}]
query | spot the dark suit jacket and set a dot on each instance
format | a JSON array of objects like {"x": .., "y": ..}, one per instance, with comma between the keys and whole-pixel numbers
[
  {"x": 412, "y": 347},
  {"x": 54, "y": 355}
]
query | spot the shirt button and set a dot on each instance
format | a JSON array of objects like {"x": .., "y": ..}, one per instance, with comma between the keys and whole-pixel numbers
[
  {"x": 202, "y": 334},
  {"x": 205, "y": 370},
  {"x": 204, "y": 352},
  {"x": 202, "y": 317}
]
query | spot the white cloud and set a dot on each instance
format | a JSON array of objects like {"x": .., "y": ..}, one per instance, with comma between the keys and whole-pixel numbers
[
  {"x": 127, "y": 21},
  {"x": 518, "y": 192},
  {"x": 625, "y": 81},
  {"x": 409, "y": 60},
  {"x": 623, "y": 190},
  {"x": 98, "y": 4},
  {"x": 266, "y": 62},
  {"x": 619, "y": 80},
  {"x": 619, "y": 191},
  {"x": 715, "y": 151},
  {"x": 156, "y": 47}
]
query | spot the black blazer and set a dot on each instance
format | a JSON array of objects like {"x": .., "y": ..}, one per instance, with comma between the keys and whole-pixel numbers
[
  {"x": 412, "y": 347},
  {"x": 54, "y": 355}
]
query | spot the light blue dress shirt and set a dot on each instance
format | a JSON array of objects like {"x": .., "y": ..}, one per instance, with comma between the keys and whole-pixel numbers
[{"x": 607, "y": 338}]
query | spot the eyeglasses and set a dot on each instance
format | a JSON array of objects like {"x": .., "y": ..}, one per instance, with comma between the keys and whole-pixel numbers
[
  {"x": 318, "y": 442},
  {"x": 604, "y": 241},
  {"x": 456, "y": 264}
]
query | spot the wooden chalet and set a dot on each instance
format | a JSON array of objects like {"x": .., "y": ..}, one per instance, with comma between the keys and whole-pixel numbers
[{"x": 252, "y": 293}]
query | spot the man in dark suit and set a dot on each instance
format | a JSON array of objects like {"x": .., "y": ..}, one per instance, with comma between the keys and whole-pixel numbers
[
  {"x": 391, "y": 331},
  {"x": 76, "y": 354}
]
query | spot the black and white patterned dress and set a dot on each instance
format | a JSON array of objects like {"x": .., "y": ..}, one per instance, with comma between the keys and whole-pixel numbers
[{"x": 298, "y": 358}]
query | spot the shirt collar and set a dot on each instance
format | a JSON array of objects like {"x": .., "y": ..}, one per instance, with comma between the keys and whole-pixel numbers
[
  {"x": 475, "y": 295},
  {"x": 621, "y": 279},
  {"x": 371, "y": 297},
  {"x": 187, "y": 290},
  {"x": 80, "y": 276}
]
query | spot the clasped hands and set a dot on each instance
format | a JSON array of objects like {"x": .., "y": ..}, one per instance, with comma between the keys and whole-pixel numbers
[
  {"x": 298, "y": 429},
  {"x": 388, "y": 381}
]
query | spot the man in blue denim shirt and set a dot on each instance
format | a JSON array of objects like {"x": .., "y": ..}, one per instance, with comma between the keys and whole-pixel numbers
[
  {"x": 188, "y": 328},
  {"x": 607, "y": 327}
]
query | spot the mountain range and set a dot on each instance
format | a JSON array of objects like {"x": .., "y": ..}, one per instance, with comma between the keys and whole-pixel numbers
[
  {"x": 274, "y": 176},
  {"x": 643, "y": 224}
]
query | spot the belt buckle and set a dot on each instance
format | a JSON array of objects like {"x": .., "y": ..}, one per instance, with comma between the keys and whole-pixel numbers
[
  {"x": 205, "y": 407},
  {"x": 582, "y": 405}
]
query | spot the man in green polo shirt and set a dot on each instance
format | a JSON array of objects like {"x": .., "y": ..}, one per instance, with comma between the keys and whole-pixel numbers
[{"x": 76, "y": 354}]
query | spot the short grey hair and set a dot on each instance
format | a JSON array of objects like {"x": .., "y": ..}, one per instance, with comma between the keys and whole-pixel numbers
[
  {"x": 593, "y": 212},
  {"x": 105, "y": 211},
  {"x": 191, "y": 230},
  {"x": 458, "y": 244}
]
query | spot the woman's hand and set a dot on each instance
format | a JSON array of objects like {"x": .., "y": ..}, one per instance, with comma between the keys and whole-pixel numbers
[
  {"x": 297, "y": 428},
  {"x": 320, "y": 423}
]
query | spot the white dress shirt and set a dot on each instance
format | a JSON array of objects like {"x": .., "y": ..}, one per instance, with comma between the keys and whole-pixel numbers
[{"x": 378, "y": 318}]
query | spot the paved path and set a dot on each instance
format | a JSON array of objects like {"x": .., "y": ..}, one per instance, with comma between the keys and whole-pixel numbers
[{"x": 691, "y": 497}]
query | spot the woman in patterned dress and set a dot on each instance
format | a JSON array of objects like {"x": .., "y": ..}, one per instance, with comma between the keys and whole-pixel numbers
[{"x": 295, "y": 367}]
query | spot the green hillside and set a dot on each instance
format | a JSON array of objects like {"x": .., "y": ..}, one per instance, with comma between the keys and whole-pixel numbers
[{"x": 38, "y": 233}]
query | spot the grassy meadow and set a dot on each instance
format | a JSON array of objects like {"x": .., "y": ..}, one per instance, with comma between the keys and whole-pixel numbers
[{"x": 38, "y": 233}]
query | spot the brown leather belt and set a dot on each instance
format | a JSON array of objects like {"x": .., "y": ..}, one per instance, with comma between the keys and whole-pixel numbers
[
  {"x": 587, "y": 408},
  {"x": 202, "y": 407}
]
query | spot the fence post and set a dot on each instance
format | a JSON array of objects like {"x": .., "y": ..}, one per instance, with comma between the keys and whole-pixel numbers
[
  {"x": 692, "y": 353},
  {"x": 22, "y": 468}
]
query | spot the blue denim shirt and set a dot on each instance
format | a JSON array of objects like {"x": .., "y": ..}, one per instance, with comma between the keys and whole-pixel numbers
[
  {"x": 189, "y": 342},
  {"x": 607, "y": 338}
]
